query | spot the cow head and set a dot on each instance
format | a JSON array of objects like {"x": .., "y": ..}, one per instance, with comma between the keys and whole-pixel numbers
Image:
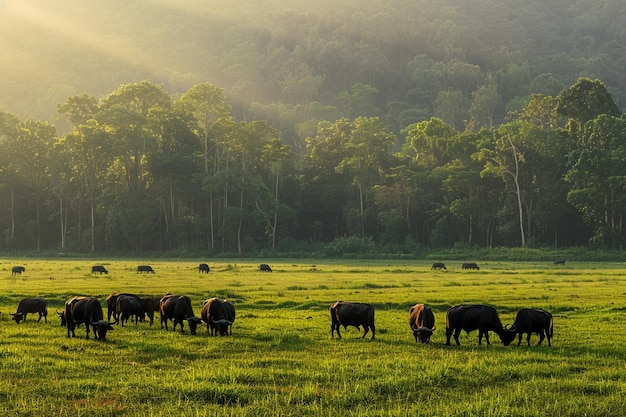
[
  {"x": 62, "y": 317},
  {"x": 222, "y": 326},
  {"x": 423, "y": 334},
  {"x": 193, "y": 323},
  {"x": 18, "y": 317},
  {"x": 100, "y": 328},
  {"x": 508, "y": 335}
]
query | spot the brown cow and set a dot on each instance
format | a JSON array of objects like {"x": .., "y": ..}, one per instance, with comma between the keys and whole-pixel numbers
[{"x": 422, "y": 322}]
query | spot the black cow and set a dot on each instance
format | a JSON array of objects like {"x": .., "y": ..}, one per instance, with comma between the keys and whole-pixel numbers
[
  {"x": 85, "y": 310},
  {"x": 17, "y": 270},
  {"x": 265, "y": 268},
  {"x": 111, "y": 301},
  {"x": 218, "y": 315},
  {"x": 351, "y": 314},
  {"x": 178, "y": 308},
  {"x": 422, "y": 322},
  {"x": 475, "y": 317},
  {"x": 439, "y": 265},
  {"x": 203, "y": 268},
  {"x": 145, "y": 268},
  {"x": 99, "y": 269},
  {"x": 150, "y": 305},
  {"x": 31, "y": 305},
  {"x": 533, "y": 320},
  {"x": 470, "y": 265},
  {"x": 128, "y": 305}
]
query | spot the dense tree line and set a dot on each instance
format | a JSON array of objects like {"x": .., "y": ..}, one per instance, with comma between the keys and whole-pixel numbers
[{"x": 141, "y": 170}]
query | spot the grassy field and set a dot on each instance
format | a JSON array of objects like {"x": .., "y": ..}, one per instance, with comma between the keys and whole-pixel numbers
[{"x": 281, "y": 360}]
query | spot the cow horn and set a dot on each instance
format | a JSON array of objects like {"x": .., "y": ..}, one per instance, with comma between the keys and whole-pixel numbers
[
  {"x": 424, "y": 329},
  {"x": 100, "y": 323},
  {"x": 221, "y": 321}
]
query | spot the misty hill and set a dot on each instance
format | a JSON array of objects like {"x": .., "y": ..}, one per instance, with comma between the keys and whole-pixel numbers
[{"x": 296, "y": 62}]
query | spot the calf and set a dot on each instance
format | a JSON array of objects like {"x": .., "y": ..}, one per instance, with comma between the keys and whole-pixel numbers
[{"x": 31, "y": 305}]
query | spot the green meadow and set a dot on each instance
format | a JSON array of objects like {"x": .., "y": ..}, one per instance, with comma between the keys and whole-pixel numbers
[{"x": 281, "y": 359}]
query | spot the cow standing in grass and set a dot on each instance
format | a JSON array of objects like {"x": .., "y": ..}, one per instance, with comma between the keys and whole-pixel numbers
[
  {"x": 17, "y": 270},
  {"x": 475, "y": 317},
  {"x": 85, "y": 310},
  {"x": 351, "y": 314},
  {"x": 31, "y": 305},
  {"x": 218, "y": 315},
  {"x": 533, "y": 320},
  {"x": 422, "y": 322},
  {"x": 178, "y": 309}
]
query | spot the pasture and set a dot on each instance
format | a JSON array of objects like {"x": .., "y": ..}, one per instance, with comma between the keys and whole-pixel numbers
[{"x": 281, "y": 360}]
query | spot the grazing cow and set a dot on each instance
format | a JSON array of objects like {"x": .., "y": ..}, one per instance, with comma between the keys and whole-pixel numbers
[
  {"x": 128, "y": 305},
  {"x": 145, "y": 268},
  {"x": 150, "y": 305},
  {"x": 203, "y": 268},
  {"x": 85, "y": 310},
  {"x": 351, "y": 314},
  {"x": 265, "y": 268},
  {"x": 178, "y": 308},
  {"x": 17, "y": 270},
  {"x": 439, "y": 265},
  {"x": 31, "y": 305},
  {"x": 218, "y": 315},
  {"x": 470, "y": 265},
  {"x": 111, "y": 301},
  {"x": 559, "y": 262},
  {"x": 422, "y": 322},
  {"x": 99, "y": 269},
  {"x": 533, "y": 320},
  {"x": 475, "y": 317}
]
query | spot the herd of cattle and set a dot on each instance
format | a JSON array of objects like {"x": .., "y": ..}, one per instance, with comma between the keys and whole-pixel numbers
[{"x": 219, "y": 315}]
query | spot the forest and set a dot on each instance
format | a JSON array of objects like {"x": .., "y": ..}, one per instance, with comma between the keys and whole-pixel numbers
[{"x": 320, "y": 127}]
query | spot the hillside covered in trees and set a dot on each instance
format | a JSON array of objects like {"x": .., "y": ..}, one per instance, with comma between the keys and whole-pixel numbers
[{"x": 162, "y": 125}]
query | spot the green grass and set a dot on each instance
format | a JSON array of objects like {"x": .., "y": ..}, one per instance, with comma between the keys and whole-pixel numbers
[{"x": 281, "y": 360}]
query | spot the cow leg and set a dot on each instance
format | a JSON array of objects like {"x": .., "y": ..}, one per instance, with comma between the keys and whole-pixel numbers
[
  {"x": 541, "y": 337},
  {"x": 457, "y": 333},
  {"x": 365, "y": 332},
  {"x": 519, "y": 340},
  {"x": 87, "y": 328}
]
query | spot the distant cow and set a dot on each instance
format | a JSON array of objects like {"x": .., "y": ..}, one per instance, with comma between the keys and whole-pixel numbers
[
  {"x": 218, "y": 315},
  {"x": 128, "y": 305},
  {"x": 265, "y": 268},
  {"x": 559, "y": 262},
  {"x": 439, "y": 265},
  {"x": 422, "y": 322},
  {"x": 99, "y": 269},
  {"x": 203, "y": 268},
  {"x": 533, "y": 321},
  {"x": 145, "y": 268},
  {"x": 470, "y": 265},
  {"x": 17, "y": 270},
  {"x": 475, "y": 317},
  {"x": 178, "y": 308},
  {"x": 85, "y": 310},
  {"x": 351, "y": 314},
  {"x": 150, "y": 305},
  {"x": 31, "y": 305}
]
